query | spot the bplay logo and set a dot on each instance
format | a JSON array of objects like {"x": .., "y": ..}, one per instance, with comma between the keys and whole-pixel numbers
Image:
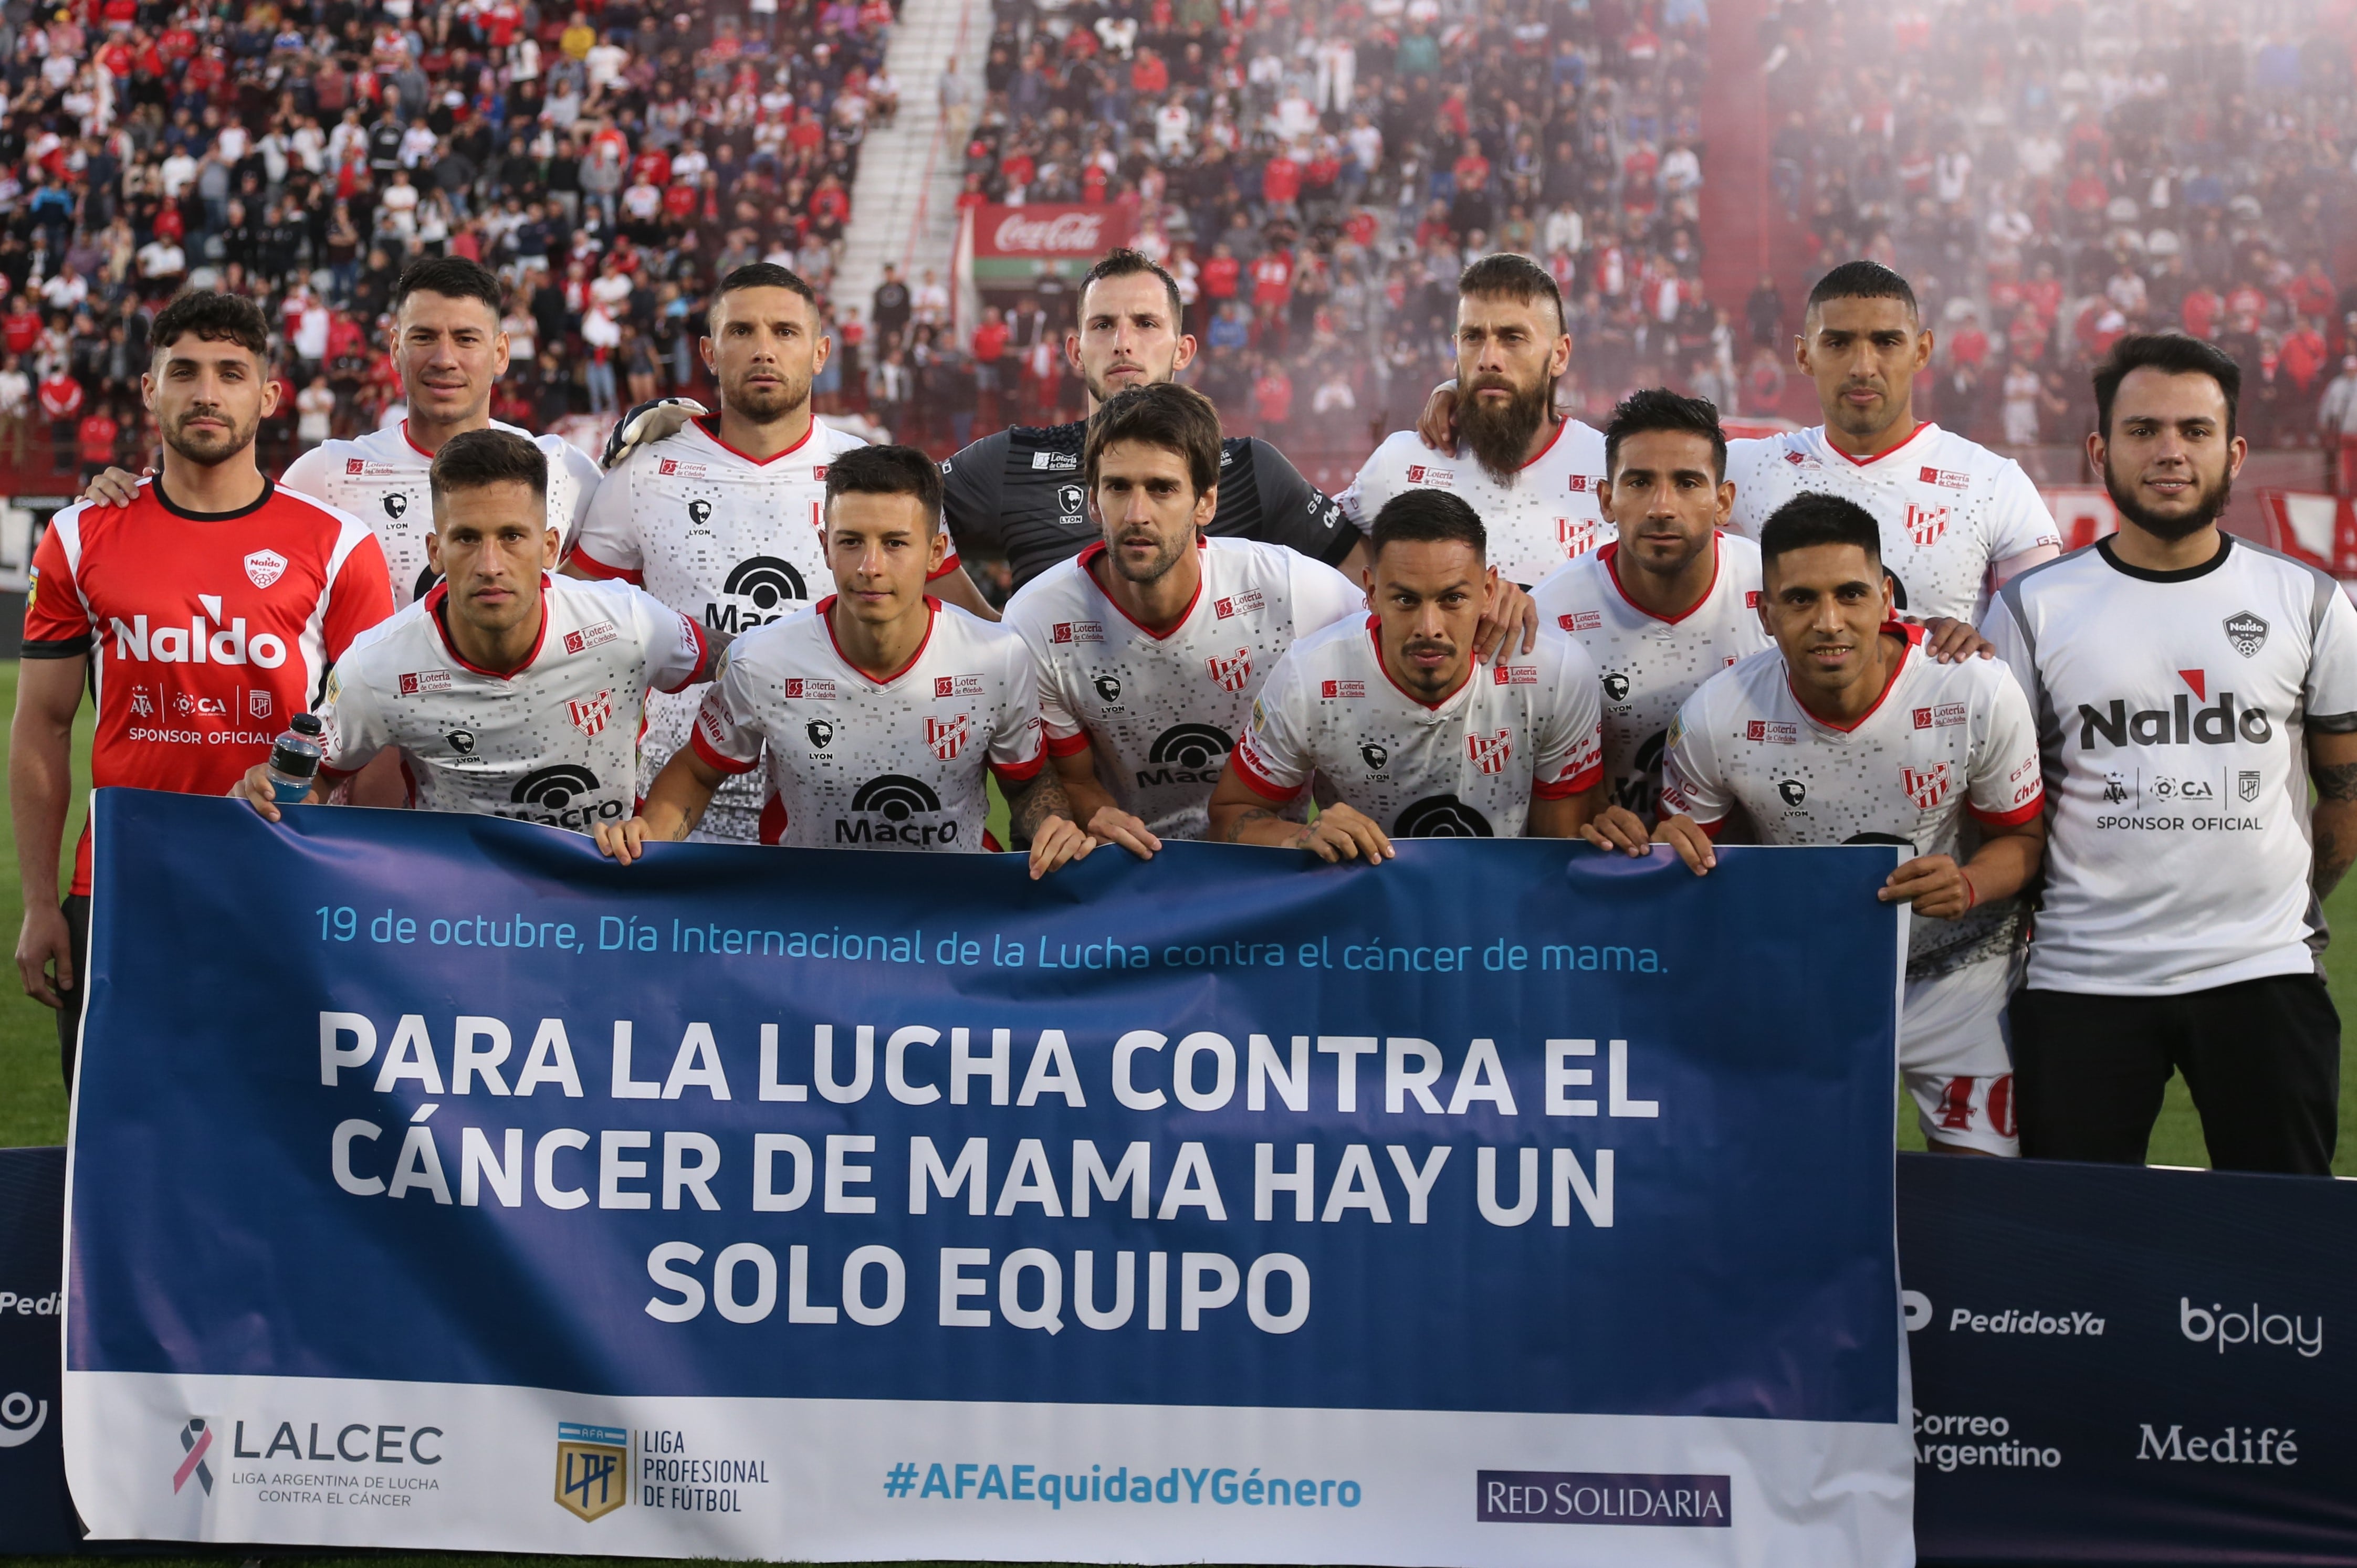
[{"x": 2221, "y": 1325}]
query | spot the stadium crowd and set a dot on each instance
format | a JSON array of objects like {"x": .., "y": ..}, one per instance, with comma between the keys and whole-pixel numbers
[
  {"x": 2056, "y": 177},
  {"x": 610, "y": 162}
]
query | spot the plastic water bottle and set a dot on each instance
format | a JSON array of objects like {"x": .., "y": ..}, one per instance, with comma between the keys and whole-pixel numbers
[{"x": 294, "y": 761}]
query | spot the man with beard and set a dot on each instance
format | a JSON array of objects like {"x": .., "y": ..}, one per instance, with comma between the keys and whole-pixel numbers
[
  {"x": 723, "y": 518},
  {"x": 203, "y": 615},
  {"x": 1019, "y": 492},
  {"x": 2190, "y": 687},
  {"x": 1152, "y": 644},
  {"x": 448, "y": 348},
  {"x": 1531, "y": 473}
]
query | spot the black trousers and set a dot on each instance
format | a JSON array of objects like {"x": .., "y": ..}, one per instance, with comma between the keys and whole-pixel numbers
[
  {"x": 2262, "y": 1058},
  {"x": 77, "y": 913}
]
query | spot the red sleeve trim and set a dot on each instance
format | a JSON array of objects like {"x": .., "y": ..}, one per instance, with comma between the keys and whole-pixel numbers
[
  {"x": 1253, "y": 780},
  {"x": 2012, "y": 819},
  {"x": 1578, "y": 784},
  {"x": 1710, "y": 830},
  {"x": 337, "y": 775},
  {"x": 949, "y": 563},
  {"x": 725, "y": 763},
  {"x": 599, "y": 569},
  {"x": 1019, "y": 772},
  {"x": 1067, "y": 745},
  {"x": 703, "y": 657}
]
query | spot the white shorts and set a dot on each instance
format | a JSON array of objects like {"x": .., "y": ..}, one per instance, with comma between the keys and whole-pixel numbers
[{"x": 1956, "y": 1057}]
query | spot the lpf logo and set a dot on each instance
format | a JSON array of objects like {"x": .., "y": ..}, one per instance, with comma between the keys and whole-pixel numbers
[
  {"x": 947, "y": 737},
  {"x": 592, "y": 1469},
  {"x": 1490, "y": 752},
  {"x": 2221, "y": 1325}
]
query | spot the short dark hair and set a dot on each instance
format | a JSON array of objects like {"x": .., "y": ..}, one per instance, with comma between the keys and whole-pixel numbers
[
  {"x": 1864, "y": 280},
  {"x": 886, "y": 471},
  {"x": 1427, "y": 517},
  {"x": 473, "y": 458},
  {"x": 1658, "y": 408},
  {"x": 1121, "y": 261},
  {"x": 1509, "y": 274},
  {"x": 216, "y": 318},
  {"x": 452, "y": 277},
  {"x": 1165, "y": 414},
  {"x": 1813, "y": 518},
  {"x": 767, "y": 274},
  {"x": 2172, "y": 354}
]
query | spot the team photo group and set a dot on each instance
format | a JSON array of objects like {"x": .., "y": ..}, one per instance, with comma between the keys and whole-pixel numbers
[{"x": 2120, "y": 781}]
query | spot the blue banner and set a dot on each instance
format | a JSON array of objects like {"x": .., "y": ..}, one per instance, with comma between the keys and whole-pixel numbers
[{"x": 1345, "y": 1190}]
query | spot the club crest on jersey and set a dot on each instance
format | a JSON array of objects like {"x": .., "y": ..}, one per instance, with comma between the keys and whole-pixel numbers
[
  {"x": 597, "y": 634},
  {"x": 2246, "y": 633},
  {"x": 1927, "y": 787},
  {"x": 424, "y": 680},
  {"x": 1925, "y": 526},
  {"x": 589, "y": 716},
  {"x": 265, "y": 567},
  {"x": 1946, "y": 479},
  {"x": 947, "y": 737},
  {"x": 1333, "y": 689},
  {"x": 1771, "y": 733},
  {"x": 798, "y": 689},
  {"x": 1489, "y": 753},
  {"x": 462, "y": 741},
  {"x": 957, "y": 685},
  {"x": 1231, "y": 672},
  {"x": 1580, "y": 620},
  {"x": 1514, "y": 675},
  {"x": 1245, "y": 603},
  {"x": 1575, "y": 534},
  {"x": 1077, "y": 631},
  {"x": 820, "y": 732}
]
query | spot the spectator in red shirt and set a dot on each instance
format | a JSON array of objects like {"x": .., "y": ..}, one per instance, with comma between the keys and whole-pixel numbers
[
  {"x": 96, "y": 439},
  {"x": 21, "y": 328},
  {"x": 1221, "y": 274},
  {"x": 1271, "y": 397},
  {"x": 2311, "y": 292},
  {"x": 1280, "y": 184},
  {"x": 61, "y": 401},
  {"x": 2201, "y": 311}
]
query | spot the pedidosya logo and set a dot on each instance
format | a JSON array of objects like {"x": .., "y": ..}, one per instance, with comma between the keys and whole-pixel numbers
[
  {"x": 592, "y": 1469},
  {"x": 557, "y": 795}
]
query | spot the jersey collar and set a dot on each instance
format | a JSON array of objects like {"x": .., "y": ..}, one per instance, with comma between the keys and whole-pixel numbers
[
  {"x": 1375, "y": 645},
  {"x": 825, "y": 610},
  {"x": 710, "y": 424},
  {"x": 437, "y": 602},
  {"x": 1611, "y": 555},
  {"x": 412, "y": 440},
  {"x": 1912, "y": 635},
  {"x": 1920, "y": 426},
  {"x": 1087, "y": 559},
  {"x": 156, "y": 488}
]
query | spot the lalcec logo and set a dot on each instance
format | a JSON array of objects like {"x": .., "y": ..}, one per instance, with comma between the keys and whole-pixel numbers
[{"x": 196, "y": 1441}]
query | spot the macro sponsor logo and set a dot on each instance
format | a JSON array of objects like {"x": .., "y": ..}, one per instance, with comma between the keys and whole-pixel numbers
[
  {"x": 592, "y": 1469},
  {"x": 2179, "y": 724},
  {"x": 1187, "y": 753},
  {"x": 898, "y": 800},
  {"x": 206, "y": 639},
  {"x": 768, "y": 585},
  {"x": 21, "y": 1418},
  {"x": 1581, "y": 1497},
  {"x": 2221, "y": 1327},
  {"x": 1441, "y": 817},
  {"x": 555, "y": 796}
]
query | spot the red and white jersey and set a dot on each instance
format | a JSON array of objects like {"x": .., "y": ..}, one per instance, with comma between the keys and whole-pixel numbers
[
  {"x": 205, "y": 632},
  {"x": 555, "y": 741},
  {"x": 2174, "y": 709},
  {"x": 1162, "y": 710},
  {"x": 1941, "y": 742},
  {"x": 1949, "y": 507},
  {"x": 1647, "y": 666},
  {"x": 892, "y": 764},
  {"x": 728, "y": 541},
  {"x": 1545, "y": 515},
  {"x": 381, "y": 477},
  {"x": 1466, "y": 767}
]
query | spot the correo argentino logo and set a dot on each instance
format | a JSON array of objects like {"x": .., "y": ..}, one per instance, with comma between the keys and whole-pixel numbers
[{"x": 196, "y": 1441}]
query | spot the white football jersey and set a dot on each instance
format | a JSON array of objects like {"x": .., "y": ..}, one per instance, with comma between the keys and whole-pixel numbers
[
  {"x": 555, "y": 742},
  {"x": 1163, "y": 709},
  {"x": 381, "y": 478},
  {"x": 728, "y": 541},
  {"x": 1464, "y": 768},
  {"x": 1647, "y": 666},
  {"x": 1546, "y": 515},
  {"x": 1949, "y": 507},
  {"x": 1943, "y": 740},
  {"x": 850, "y": 761},
  {"x": 2173, "y": 710}
]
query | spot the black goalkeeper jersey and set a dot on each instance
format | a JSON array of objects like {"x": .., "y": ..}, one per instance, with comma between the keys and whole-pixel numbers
[{"x": 1018, "y": 493}]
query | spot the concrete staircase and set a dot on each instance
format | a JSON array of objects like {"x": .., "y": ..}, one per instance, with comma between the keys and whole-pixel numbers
[{"x": 903, "y": 201}]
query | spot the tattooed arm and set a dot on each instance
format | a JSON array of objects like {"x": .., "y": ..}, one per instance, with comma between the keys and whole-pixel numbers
[
  {"x": 2332, "y": 764},
  {"x": 1040, "y": 819},
  {"x": 1240, "y": 814}
]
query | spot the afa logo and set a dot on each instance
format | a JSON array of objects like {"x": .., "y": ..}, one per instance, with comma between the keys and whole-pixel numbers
[
  {"x": 592, "y": 1469},
  {"x": 1231, "y": 673},
  {"x": 1441, "y": 817},
  {"x": 947, "y": 737}
]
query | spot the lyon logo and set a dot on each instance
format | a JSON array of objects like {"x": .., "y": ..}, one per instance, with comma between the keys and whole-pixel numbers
[
  {"x": 1927, "y": 787},
  {"x": 1490, "y": 752},
  {"x": 947, "y": 737},
  {"x": 1925, "y": 527},
  {"x": 1231, "y": 673},
  {"x": 590, "y": 716},
  {"x": 265, "y": 567}
]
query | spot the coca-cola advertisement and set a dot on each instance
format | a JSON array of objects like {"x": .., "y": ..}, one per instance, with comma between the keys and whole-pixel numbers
[{"x": 1016, "y": 247}]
